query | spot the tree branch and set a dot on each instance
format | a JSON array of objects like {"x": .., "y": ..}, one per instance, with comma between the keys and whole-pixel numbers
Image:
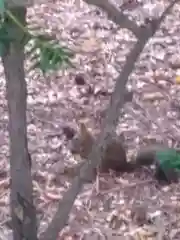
[
  {"x": 115, "y": 15},
  {"x": 108, "y": 129}
]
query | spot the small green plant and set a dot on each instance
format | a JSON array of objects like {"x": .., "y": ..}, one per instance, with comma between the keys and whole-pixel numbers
[
  {"x": 47, "y": 54},
  {"x": 44, "y": 52},
  {"x": 169, "y": 159}
]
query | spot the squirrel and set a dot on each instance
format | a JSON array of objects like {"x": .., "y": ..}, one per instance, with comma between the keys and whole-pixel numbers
[
  {"x": 115, "y": 157},
  {"x": 115, "y": 154}
]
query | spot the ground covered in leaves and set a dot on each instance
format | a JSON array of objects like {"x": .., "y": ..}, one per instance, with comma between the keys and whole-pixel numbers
[{"x": 133, "y": 205}]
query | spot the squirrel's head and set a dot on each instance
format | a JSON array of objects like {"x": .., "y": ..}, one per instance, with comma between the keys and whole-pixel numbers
[{"x": 82, "y": 142}]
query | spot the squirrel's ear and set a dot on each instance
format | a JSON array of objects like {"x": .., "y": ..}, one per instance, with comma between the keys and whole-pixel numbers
[{"x": 84, "y": 131}]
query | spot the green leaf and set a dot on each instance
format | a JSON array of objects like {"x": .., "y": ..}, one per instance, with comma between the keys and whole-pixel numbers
[
  {"x": 168, "y": 159},
  {"x": 46, "y": 53},
  {"x": 52, "y": 57}
]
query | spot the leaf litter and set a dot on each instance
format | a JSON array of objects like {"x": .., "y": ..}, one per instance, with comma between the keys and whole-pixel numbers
[{"x": 131, "y": 206}]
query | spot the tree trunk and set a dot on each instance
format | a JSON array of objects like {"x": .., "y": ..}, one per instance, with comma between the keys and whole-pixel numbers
[{"x": 21, "y": 198}]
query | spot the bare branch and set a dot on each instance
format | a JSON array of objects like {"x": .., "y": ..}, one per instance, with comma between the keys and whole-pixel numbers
[
  {"x": 166, "y": 11},
  {"x": 108, "y": 129},
  {"x": 115, "y": 15}
]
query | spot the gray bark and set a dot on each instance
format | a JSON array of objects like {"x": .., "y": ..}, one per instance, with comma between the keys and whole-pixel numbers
[{"x": 21, "y": 199}]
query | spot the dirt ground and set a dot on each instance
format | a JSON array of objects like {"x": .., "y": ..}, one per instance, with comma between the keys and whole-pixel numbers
[{"x": 106, "y": 209}]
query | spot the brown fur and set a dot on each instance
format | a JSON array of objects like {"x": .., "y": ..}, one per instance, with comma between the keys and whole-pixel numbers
[{"x": 115, "y": 154}]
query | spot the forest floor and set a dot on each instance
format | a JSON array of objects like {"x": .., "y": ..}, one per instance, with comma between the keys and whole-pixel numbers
[{"x": 106, "y": 209}]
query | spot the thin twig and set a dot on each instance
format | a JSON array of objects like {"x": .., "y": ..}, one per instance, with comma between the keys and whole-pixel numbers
[{"x": 116, "y": 15}]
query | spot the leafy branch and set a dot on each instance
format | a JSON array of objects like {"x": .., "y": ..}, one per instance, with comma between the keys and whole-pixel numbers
[{"x": 43, "y": 51}]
